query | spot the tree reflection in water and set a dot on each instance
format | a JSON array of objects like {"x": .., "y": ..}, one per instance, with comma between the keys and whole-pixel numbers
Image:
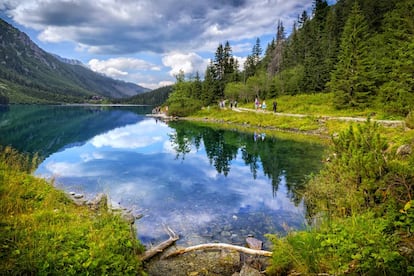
[{"x": 279, "y": 158}]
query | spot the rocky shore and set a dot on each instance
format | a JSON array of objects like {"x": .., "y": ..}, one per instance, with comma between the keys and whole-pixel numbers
[{"x": 197, "y": 263}]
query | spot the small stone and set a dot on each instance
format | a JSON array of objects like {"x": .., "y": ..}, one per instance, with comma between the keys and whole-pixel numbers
[
  {"x": 404, "y": 150},
  {"x": 128, "y": 217},
  {"x": 254, "y": 243}
]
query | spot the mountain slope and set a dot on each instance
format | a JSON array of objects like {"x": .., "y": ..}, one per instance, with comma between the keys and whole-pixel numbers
[{"x": 29, "y": 74}]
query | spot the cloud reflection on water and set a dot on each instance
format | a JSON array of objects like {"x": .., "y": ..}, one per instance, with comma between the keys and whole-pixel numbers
[{"x": 137, "y": 166}]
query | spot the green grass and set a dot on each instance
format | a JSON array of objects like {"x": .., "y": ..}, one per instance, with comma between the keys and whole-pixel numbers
[
  {"x": 259, "y": 119},
  {"x": 43, "y": 232},
  {"x": 319, "y": 104},
  {"x": 314, "y": 106}
]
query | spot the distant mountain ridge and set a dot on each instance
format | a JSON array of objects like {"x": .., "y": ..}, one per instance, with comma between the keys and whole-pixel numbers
[
  {"x": 68, "y": 60},
  {"x": 29, "y": 74}
]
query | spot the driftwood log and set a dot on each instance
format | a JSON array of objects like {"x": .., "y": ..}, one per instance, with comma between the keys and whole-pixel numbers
[
  {"x": 221, "y": 246},
  {"x": 207, "y": 246},
  {"x": 161, "y": 246}
]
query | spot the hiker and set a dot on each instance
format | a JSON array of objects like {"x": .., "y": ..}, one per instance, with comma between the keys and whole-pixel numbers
[
  {"x": 256, "y": 103},
  {"x": 274, "y": 106}
]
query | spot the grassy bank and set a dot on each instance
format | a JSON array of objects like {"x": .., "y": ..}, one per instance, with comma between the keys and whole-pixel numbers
[
  {"x": 43, "y": 232},
  {"x": 306, "y": 113}
]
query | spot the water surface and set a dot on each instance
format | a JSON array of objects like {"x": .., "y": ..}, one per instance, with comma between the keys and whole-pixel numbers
[{"x": 206, "y": 184}]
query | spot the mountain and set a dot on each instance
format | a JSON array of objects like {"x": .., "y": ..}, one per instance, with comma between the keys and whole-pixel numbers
[
  {"x": 155, "y": 97},
  {"x": 67, "y": 60},
  {"x": 29, "y": 74}
]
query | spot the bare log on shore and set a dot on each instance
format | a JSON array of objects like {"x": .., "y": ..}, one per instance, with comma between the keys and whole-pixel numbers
[
  {"x": 161, "y": 246},
  {"x": 221, "y": 246}
]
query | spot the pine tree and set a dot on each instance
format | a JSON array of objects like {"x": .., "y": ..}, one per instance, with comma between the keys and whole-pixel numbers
[
  {"x": 252, "y": 61},
  {"x": 209, "y": 86},
  {"x": 316, "y": 73},
  {"x": 351, "y": 81},
  {"x": 396, "y": 62}
]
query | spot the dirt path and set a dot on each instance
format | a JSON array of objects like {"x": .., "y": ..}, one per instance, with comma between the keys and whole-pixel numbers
[{"x": 389, "y": 123}]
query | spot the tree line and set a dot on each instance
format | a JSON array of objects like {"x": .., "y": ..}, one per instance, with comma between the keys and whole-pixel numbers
[{"x": 360, "y": 50}]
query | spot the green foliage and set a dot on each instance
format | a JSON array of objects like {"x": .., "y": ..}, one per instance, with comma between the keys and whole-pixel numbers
[
  {"x": 288, "y": 81},
  {"x": 361, "y": 208},
  {"x": 184, "y": 108},
  {"x": 350, "y": 81},
  {"x": 356, "y": 245},
  {"x": 155, "y": 97},
  {"x": 183, "y": 100},
  {"x": 359, "y": 165},
  {"x": 43, "y": 232},
  {"x": 395, "y": 63}
]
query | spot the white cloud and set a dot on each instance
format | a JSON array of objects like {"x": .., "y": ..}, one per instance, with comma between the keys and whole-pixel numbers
[
  {"x": 116, "y": 67},
  {"x": 154, "y": 85},
  {"x": 189, "y": 63},
  {"x": 129, "y": 137}
]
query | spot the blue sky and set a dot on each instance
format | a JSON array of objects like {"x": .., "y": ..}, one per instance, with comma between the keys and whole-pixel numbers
[{"x": 147, "y": 42}]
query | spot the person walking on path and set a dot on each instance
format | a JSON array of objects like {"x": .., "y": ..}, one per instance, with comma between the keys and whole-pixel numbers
[{"x": 274, "y": 106}]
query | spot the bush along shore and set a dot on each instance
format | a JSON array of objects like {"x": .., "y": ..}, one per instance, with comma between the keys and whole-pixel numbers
[{"x": 43, "y": 231}]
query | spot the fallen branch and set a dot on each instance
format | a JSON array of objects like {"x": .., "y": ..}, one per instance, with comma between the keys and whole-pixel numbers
[
  {"x": 221, "y": 246},
  {"x": 161, "y": 246}
]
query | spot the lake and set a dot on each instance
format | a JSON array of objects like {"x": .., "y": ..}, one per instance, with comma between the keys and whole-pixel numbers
[{"x": 205, "y": 183}]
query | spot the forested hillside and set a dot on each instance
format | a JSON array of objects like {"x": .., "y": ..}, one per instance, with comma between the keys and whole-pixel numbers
[
  {"x": 28, "y": 74},
  {"x": 155, "y": 97},
  {"x": 362, "y": 51}
]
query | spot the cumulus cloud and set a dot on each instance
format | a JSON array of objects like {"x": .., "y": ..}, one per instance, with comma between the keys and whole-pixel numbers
[
  {"x": 109, "y": 26},
  {"x": 116, "y": 67},
  {"x": 139, "y": 135},
  {"x": 189, "y": 63}
]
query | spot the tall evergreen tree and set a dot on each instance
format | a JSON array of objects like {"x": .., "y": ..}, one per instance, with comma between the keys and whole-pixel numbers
[
  {"x": 396, "y": 62},
  {"x": 351, "y": 81},
  {"x": 316, "y": 74},
  {"x": 209, "y": 86},
  {"x": 252, "y": 61}
]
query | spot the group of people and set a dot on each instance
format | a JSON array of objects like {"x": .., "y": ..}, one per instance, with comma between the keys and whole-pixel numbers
[
  {"x": 222, "y": 104},
  {"x": 257, "y": 105}
]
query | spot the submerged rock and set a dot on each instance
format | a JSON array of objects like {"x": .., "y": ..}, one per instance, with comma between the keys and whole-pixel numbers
[{"x": 254, "y": 243}]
